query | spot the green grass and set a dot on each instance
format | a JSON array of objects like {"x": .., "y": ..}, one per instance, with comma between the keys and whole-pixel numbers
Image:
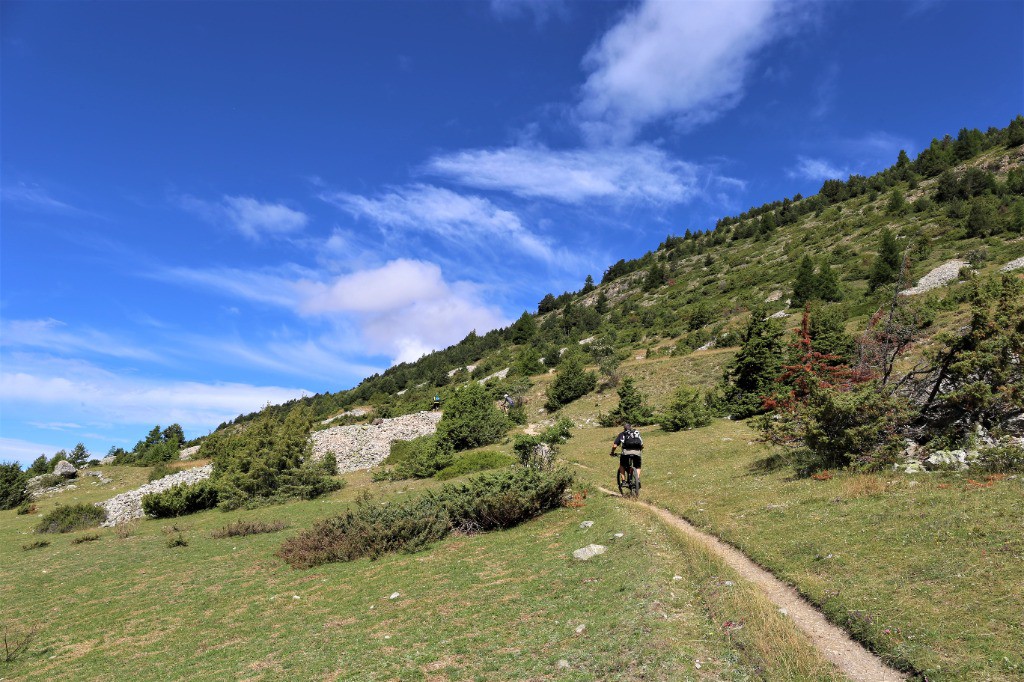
[
  {"x": 928, "y": 570},
  {"x": 495, "y": 606}
]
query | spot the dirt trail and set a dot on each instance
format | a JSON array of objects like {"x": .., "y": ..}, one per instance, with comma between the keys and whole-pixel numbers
[{"x": 850, "y": 657}]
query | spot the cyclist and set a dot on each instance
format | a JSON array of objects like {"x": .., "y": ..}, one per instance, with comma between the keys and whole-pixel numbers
[
  {"x": 507, "y": 402},
  {"x": 632, "y": 445}
]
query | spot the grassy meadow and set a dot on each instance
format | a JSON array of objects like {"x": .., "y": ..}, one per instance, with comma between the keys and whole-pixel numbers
[{"x": 498, "y": 606}]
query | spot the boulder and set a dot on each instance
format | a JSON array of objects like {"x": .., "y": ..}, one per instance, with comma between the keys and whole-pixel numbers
[
  {"x": 66, "y": 469},
  {"x": 947, "y": 459}
]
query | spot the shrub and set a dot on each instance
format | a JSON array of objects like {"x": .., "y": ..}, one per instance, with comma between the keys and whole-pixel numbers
[
  {"x": 50, "y": 481},
  {"x": 242, "y": 528},
  {"x": 472, "y": 462},
  {"x": 26, "y": 508},
  {"x": 572, "y": 381},
  {"x": 417, "y": 458},
  {"x": 160, "y": 470},
  {"x": 65, "y": 519},
  {"x": 12, "y": 485},
  {"x": 632, "y": 407},
  {"x": 471, "y": 419},
  {"x": 688, "y": 410},
  {"x": 489, "y": 501},
  {"x": 267, "y": 461},
  {"x": 177, "y": 541},
  {"x": 91, "y": 537},
  {"x": 1003, "y": 458},
  {"x": 36, "y": 544},
  {"x": 527, "y": 447},
  {"x": 180, "y": 500}
]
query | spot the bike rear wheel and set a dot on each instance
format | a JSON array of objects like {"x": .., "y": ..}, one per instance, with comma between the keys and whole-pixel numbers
[{"x": 633, "y": 483}]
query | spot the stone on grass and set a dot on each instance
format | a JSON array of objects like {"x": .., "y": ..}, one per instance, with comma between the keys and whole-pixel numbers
[
  {"x": 562, "y": 664},
  {"x": 395, "y": 595},
  {"x": 585, "y": 553},
  {"x": 586, "y": 524},
  {"x": 66, "y": 469}
]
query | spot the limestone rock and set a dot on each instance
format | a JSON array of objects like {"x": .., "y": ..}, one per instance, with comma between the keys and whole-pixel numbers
[
  {"x": 362, "y": 446},
  {"x": 588, "y": 552},
  {"x": 128, "y": 506},
  {"x": 66, "y": 469}
]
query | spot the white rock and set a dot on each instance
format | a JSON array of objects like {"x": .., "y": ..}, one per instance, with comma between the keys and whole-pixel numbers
[
  {"x": 677, "y": 577},
  {"x": 362, "y": 446},
  {"x": 586, "y": 524},
  {"x": 580, "y": 629},
  {"x": 1015, "y": 264},
  {"x": 128, "y": 506},
  {"x": 588, "y": 552},
  {"x": 395, "y": 595},
  {"x": 562, "y": 664},
  {"x": 618, "y": 535},
  {"x": 66, "y": 469},
  {"x": 940, "y": 276}
]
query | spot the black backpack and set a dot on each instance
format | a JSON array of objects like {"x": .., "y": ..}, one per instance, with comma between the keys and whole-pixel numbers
[{"x": 632, "y": 440}]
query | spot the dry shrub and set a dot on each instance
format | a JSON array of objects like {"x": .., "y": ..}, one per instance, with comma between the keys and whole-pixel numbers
[
  {"x": 91, "y": 537},
  {"x": 36, "y": 544},
  {"x": 127, "y": 529},
  {"x": 863, "y": 486},
  {"x": 15, "y": 644},
  {"x": 243, "y": 528}
]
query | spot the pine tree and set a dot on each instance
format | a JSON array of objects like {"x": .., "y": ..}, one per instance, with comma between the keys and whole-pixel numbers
[
  {"x": 1015, "y": 133},
  {"x": 886, "y": 267},
  {"x": 752, "y": 373},
  {"x": 805, "y": 287},
  {"x": 588, "y": 285},
  {"x": 572, "y": 381},
  {"x": 601, "y": 304},
  {"x": 632, "y": 407},
  {"x": 827, "y": 284}
]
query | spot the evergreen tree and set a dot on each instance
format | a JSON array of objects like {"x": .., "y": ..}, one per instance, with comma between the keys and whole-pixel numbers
[
  {"x": 601, "y": 304},
  {"x": 828, "y": 334},
  {"x": 528, "y": 362},
  {"x": 752, "y": 373},
  {"x": 572, "y": 382},
  {"x": 79, "y": 455},
  {"x": 471, "y": 419},
  {"x": 632, "y": 407},
  {"x": 886, "y": 267},
  {"x": 39, "y": 466},
  {"x": 12, "y": 485},
  {"x": 827, "y": 284},
  {"x": 588, "y": 285},
  {"x": 982, "y": 220},
  {"x": 655, "y": 277},
  {"x": 1015, "y": 133},
  {"x": 805, "y": 286},
  {"x": 524, "y": 329},
  {"x": 897, "y": 204},
  {"x": 547, "y": 304}
]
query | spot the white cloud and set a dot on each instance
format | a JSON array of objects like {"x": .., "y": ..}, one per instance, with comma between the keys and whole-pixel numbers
[
  {"x": 817, "y": 169},
  {"x": 75, "y": 391},
  {"x": 23, "y": 451},
  {"x": 400, "y": 309},
  {"x": 252, "y": 218},
  {"x": 456, "y": 218},
  {"x": 639, "y": 173},
  {"x": 684, "y": 61}
]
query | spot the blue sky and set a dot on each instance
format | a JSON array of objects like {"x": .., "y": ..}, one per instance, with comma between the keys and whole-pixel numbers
[{"x": 211, "y": 206}]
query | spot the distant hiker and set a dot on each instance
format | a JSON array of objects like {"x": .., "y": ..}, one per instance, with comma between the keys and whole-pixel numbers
[
  {"x": 507, "y": 402},
  {"x": 632, "y": 445},
  {"x": 437, "y": 402}
]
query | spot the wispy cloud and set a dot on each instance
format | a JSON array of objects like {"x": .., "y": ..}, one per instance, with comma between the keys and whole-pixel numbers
[
  {"x": 618, "y": 175},
  {"x": 541, "y": 10},
  {"x": 825, "y": 92},
  {"x": 35, "y": 197},
  {"x": 55, "y": 336},
  {"x": 24, "y": 451},
  {"x": 87, "y": 393},
  {"x": 817, "y": 169},
  {"x": 250, "y": 217},
  {"x": 683, "y": 61},
  {"x": 456, "y": 218}
]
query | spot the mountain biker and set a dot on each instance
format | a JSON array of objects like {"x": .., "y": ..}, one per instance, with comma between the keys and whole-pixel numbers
[
  {"x": 507, "y": 402},
  {"x": 632, "y": 445}
]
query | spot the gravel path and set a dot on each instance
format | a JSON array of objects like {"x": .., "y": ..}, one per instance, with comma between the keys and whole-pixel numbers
[{"x": 856, "y": 662}]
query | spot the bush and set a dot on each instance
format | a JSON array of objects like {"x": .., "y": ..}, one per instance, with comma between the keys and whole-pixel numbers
[
  {"x": 36, "y": 544},
  {"x": 91, "y": 537},
  {"x": 26, "y": 508},
  {"x": 160, "y": 470},
  {"x": 65, "y": 519},
  {"x": 688, "y": 410},
  {"x": 12, "y": 485},
  {"x": 180, "y": 500},
  {"x": 471, "y": 420},
  {"x": 572, "y": 381},
  {"x": 632, "y": 407},
  {"x": 1004, "y": 458},
  {"x": 267, "y": 462},
  {"x": 527, "y": 450},
  {"x": 50, "y": 481},
  {"x": 243, "y": 528},
  {"x": 485, "y": 502},
  {"x": 472, "y": 462},
  {"x": 417, "y": 458},
  {"x": 177, "y": 541}
]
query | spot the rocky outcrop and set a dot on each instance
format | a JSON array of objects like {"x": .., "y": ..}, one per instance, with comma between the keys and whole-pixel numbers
[
  {"x": 1015, "y": 264},
  {"x": 128, "y": 506},
  {"x": 938, "y": 277},
  {"x": 362, "y": 446},
  {"x": 188, "y": 453}
]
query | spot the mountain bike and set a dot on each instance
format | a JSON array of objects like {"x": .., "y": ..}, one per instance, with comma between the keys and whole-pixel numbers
[{"x": 629, "y": 484}]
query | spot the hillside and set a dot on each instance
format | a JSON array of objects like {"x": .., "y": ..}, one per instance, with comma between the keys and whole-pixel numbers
[{"x": 961, "y": 198}]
